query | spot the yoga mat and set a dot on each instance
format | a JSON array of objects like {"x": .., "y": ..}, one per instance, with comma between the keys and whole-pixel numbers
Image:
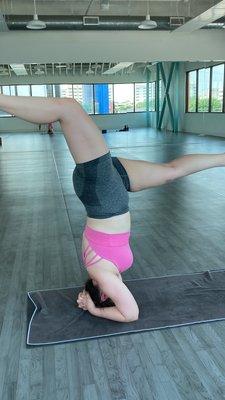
[{"x": 167, "y": 301}]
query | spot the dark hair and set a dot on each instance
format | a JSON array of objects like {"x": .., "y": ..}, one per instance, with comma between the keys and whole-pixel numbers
[{"x": 94, "y": 292}]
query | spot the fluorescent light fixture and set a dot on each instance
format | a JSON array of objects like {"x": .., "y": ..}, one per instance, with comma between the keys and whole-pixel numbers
[
  {"x": 36, "y": 23},
  {"x": 19, "y": 69},
  {"x": 39, "y": 71},
  {"x": 90, "y": 71},
  {"x": 148, "y": 23}
]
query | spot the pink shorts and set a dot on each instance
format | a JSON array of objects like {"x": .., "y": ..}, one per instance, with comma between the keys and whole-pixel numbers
[{"x": 113, "y": 247}]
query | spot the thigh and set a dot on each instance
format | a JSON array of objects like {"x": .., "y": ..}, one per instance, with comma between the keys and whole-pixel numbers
[
  {"x": 144, "y": 174},
  {"x": 83, "y": 137}
]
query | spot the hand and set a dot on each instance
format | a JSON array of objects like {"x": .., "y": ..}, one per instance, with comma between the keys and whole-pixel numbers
[{"x": 85, "y": 302}]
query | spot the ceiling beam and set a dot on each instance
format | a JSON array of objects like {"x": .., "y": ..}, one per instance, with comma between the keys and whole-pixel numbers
[
  {"x": 203, "y": 44},
  {"x": 210, "y": 15}
]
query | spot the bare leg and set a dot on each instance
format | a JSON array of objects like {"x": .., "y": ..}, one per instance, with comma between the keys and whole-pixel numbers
[
  {"x": 83, "y": 137},
  {"x": 144, "y": 174}
]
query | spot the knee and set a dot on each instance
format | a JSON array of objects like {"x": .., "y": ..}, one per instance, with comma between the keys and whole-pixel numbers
[{"x": 66, "y": 105}]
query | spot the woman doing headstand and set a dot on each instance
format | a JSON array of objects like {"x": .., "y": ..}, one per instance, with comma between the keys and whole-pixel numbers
[{"x": 102, "y": 182}]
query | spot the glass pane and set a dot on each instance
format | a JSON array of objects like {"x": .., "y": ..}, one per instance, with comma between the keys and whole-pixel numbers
[
  {"x": 192, "y": 86},
  {"x": 39, "y": 90},
  {"x": 124, "y": 98},
  {"x": 152, "y": 86},
  {"x": 203, "y": 90},
  {"x": 217, "y": 88},
  {"x": 140, "y": 97},
  {"x": 103, "y": 98},
  {"x": 23, "y": 90},
  {"x": 84, "y": 95},
  {"x": 64, "y": 90},
  {"x": 160, "y": 95},
  {"x": 9, "y": 90}
]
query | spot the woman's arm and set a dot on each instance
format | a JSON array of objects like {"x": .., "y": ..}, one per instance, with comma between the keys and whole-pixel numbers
[
  {"x": 111, "y": 313},
  {"x": 125, "y": 309},
  {"x": 85, "y": 302}
]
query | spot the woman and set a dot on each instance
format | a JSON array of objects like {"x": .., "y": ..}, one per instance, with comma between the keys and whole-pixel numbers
[{"x": 101, "y": 183}]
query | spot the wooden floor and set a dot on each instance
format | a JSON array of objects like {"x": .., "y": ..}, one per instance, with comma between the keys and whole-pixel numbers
[{"x": 178, "y": 228}]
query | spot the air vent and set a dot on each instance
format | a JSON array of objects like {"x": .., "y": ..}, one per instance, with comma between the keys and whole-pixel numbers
[
  {"x": 91, "y": 21},
  {"x": 177, "y": 21}
]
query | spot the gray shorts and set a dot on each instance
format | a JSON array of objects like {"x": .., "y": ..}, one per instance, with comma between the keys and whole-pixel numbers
[{"x": 102, "y": 184}]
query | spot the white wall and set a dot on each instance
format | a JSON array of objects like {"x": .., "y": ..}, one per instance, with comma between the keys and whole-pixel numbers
[{"x": 109, "y": 122}]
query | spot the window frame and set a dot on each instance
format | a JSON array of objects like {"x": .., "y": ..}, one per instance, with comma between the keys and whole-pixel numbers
[{"x": 210, "y": 90}]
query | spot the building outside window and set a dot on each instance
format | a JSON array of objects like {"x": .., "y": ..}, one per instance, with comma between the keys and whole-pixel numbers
[
  {"x": 192, "y": 91},
  {"x": 123, "y": 98},
  {"x": 203, "y": 89},
  {"x": 217, "y": 88},
  {"x": 103, "y": 94},
  {"x": 23, "y": 90},
  {"x": 39, "y": 90},
  {"x": 84, "y": 95},
  {"x": 140, "y": 97},
  {"x": 9, "y": 90},
  {"x": 152, "y": 99}
]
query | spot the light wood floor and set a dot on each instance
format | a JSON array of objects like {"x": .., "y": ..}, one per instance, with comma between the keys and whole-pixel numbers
[{"x": 177, "y": 228}]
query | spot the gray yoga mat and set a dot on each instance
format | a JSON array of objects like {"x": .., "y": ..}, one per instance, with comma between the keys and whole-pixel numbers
[{"x": 168, "y": 301}]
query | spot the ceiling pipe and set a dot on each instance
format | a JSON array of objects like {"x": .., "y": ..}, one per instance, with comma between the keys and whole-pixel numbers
[
  {"x": 76, "y": 23},
  {"x": 105, "y": 23}
]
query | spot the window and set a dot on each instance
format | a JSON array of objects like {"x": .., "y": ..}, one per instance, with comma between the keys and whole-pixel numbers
[
  {"x": 23, "y": 90},
  {"x": 217, "y": 88},
  {"x": 39, "y": 90},
  {"x": 203, "y": 89},
  {"x": 123, "y": 98},
  {"x": 100, "y": 98},
  {"x": 9, "y": 90},
  {"x": 140, "y": 97},
  {"x": 152, "y": 86},
  {"x": 192, "y": 91},
  {"x": 84, "y": 95},
  {"x": 103, "y": 94},
  {"x": 160, "y": 95},
  {"x": 63, "y": 90}
]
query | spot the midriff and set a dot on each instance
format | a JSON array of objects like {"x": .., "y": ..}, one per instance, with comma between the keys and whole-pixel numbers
[{"x": 117, "y": 224}]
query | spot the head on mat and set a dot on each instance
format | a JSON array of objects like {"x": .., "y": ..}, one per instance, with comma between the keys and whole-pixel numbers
[{"x": 99, "y": 298}]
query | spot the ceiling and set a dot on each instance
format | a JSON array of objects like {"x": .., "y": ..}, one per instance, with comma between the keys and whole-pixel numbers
[
  {"x": 113, "y": 14},
  {"x": 171, "y": 15}
]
